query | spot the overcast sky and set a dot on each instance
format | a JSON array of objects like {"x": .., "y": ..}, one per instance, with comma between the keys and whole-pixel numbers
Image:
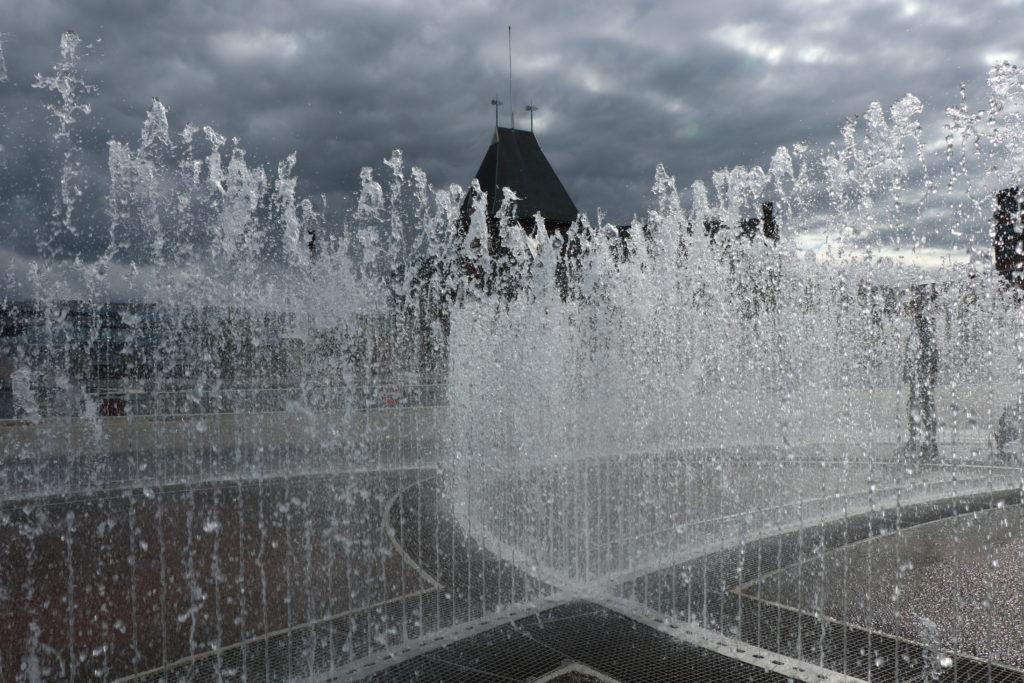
[{"x": 620, "y": 86}]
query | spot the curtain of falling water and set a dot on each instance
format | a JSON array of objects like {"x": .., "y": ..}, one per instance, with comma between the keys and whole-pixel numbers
[
  {"x": 859, "y": 389},
  {"x": 207, "y": 422},
  {"x": 247, "y": 468}
]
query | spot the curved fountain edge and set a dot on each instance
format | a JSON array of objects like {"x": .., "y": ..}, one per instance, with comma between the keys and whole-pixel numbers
[{"x": 606, "y": 591}]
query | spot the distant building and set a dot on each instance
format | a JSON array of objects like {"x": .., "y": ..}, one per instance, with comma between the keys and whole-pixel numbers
[
  {"x": 1008, "y": 241},
  {"x": 515, "y": 160}
]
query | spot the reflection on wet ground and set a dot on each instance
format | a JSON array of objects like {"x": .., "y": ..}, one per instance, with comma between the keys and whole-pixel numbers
[
  {"x": 955, "y": 583},
  {"x": 162, "y": 574}
]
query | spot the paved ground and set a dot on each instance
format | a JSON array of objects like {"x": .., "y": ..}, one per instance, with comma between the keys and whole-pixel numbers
[
  {"x": 733, "y": 591},
  {"x": 387, "y": 431},
  {"x": 109, "y": 584},
  {"x": 336, "y": 573},
  {"x": 955, "y": 583}
]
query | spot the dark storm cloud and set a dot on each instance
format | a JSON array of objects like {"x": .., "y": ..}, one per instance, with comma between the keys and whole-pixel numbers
[{"x": 696, "y": 86}]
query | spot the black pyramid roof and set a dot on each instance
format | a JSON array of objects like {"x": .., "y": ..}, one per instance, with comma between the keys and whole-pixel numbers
[{"x": 514, "y": 160}]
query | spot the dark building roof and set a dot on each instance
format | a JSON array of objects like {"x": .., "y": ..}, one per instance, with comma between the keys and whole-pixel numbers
[{"x": 515, "y": 160}]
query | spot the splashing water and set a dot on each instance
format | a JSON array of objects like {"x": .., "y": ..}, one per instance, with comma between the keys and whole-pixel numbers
[
  {"x": 360, "y": 435},
  {"x": 3, "y": 63}
]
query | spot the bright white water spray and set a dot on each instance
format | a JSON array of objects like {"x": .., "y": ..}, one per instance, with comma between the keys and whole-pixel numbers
[{"x": 249, "y": 441}]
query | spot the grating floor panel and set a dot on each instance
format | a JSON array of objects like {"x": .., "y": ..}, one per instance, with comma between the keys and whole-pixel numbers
[
  {"x": 576, "y": 677},
  {"x": 607, "y": 642},
  {"x": 722, "y": 591}
]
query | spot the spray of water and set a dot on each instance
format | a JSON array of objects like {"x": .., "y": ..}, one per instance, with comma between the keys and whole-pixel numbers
[{"x": 278, "y": 447}]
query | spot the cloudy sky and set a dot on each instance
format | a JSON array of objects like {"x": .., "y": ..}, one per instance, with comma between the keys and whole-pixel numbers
[{"x": 620, "y": 86}]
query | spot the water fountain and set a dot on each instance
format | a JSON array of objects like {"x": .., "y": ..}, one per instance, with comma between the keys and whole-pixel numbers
[{"x": 235, "y": 449}]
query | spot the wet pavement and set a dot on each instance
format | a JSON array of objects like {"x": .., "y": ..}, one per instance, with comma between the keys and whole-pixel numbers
[
  {"x": 343, "y": 575},
  {"x": 123, "y": 581},
  {"x": 768, "y": 592},
  {"x": 956, "y": 583}
]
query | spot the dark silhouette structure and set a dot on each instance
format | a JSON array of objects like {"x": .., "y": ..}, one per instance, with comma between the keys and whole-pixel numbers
[
  {"x": 314, "y": 248},
  {"x": 921, "y": 371},
  {"x": 748, "y": 227},
  {"x": 515, "y": 161},
  {"x": 1008, "y": 240}
]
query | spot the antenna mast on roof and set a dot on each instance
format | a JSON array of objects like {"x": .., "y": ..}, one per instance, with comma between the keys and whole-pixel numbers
[
  {"x": 530, "y": 108},
  {"x": 496, "y": 103},
  {"x": 511, "y": 104}
]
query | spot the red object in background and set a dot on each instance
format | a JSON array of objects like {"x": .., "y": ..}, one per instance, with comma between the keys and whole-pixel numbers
[
  {"x": 390, "y": 395},
  {"x": 112, "y": 406}
]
